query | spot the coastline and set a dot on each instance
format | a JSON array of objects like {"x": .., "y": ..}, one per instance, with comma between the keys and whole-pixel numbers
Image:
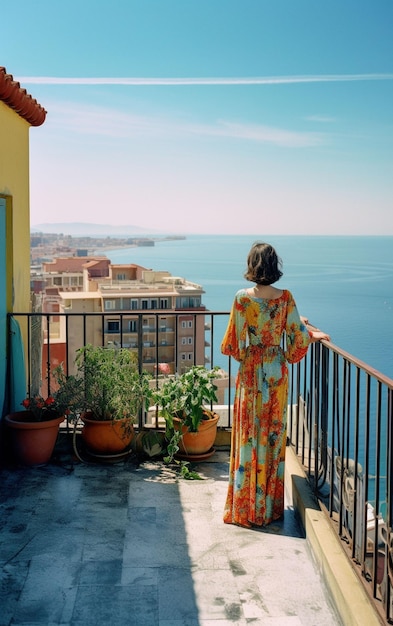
[{"x": 100, "y": 251}]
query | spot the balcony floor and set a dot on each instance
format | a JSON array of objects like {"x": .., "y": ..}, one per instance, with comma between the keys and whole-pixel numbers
[{"x": 128, "y": 545}]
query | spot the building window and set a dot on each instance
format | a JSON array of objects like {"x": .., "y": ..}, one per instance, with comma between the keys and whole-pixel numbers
[
  {"x": 189, "y": 324},
  {"x": 164, "y": 303},
  {"x": 183, "y": 357},
  {"x": 190, "y": 340},
  {"x": 120, "y": 277},
  {"x": 133, "y": 326},
  {"x": 184, "y": 341},
  {"x": 57, "y": 280},
  {"x": 113, "y": 326},
  {"x": 110, "y": 305},
  {"x": 195, "y": 302},
  {"x": 154, "y": 304},
  {"x": 134, "y": 305},
  {"x": 145, "y": 304},
  {"x": 190, "y": 356}
]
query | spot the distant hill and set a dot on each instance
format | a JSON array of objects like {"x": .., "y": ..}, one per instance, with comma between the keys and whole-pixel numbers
[{"x": 83, "y": 229}]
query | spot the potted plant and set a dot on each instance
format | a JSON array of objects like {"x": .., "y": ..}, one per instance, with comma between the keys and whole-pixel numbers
[
  {"x": 34, "y": 430},
  {"x": 191, "y": 425},
  {"x": 114, "y": 393}
]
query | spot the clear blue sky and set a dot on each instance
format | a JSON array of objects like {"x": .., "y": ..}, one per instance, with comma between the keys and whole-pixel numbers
[{"x": 275, "y": 155}]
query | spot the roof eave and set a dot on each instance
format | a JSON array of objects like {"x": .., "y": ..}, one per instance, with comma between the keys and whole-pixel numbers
[{"x": 17, "y": 98}]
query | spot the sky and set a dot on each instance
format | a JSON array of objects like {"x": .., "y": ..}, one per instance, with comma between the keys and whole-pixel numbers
[{"x": 209, "y": 116}]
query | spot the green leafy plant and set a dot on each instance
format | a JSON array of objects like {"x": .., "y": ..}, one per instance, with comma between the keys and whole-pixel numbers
[
  {"x": 69, "y": 392},
  {"x": 114, "y": 387},
  {"x": 187, "y": 473},
  {"x": 183, "y": 466},
  {"x": 184, "y": 397}
]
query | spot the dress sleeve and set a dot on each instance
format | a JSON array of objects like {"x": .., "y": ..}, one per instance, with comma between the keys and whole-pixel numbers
[
  {"x": 298, "y": 337},
  {"x": 234, "y": 342}
]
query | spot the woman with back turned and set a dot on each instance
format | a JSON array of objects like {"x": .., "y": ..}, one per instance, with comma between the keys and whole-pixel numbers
[{"x": 260, "y": 316}]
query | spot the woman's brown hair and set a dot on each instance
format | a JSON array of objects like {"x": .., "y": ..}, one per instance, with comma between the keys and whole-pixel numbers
[{"x": 263, "y": 264}]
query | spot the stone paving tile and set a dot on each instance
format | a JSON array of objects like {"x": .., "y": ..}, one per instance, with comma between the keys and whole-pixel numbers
[
  {"x": 116, "y": 606},
  {"x": 132, "y": 544},
  {"x": 48, "y": 593}
]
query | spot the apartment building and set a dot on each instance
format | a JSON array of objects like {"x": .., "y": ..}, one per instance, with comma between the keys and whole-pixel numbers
[{"x": 123, "y": 305}]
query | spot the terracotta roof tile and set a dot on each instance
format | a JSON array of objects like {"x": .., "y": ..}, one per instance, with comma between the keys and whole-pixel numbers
[
  {"x": 12, "y": 94},
  {"x": 73, "y": 264}
]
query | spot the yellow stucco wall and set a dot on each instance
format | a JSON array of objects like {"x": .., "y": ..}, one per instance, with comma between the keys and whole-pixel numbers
[{"x": 14, "y": 186}]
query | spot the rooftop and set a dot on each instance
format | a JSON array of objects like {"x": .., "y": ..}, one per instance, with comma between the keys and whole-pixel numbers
[{"x": 132, "y": 544}]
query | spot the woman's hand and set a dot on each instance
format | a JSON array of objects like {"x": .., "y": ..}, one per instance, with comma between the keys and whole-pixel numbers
[{"x": 317, "y": 335}]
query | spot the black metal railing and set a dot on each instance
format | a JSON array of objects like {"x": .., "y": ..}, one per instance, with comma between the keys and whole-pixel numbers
[
  {"x": 340, "y": 415},
  {"x": 54, "y": 338}
]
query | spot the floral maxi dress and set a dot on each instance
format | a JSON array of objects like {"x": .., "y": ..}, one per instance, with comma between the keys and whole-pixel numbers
[{"x": 254, "y": 338}]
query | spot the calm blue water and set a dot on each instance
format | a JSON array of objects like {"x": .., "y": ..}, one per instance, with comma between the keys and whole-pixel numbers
[{"x": 344, "y": 285}]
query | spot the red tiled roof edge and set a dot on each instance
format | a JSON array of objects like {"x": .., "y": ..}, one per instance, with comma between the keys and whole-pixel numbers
[{"x": 12, "y": 94}]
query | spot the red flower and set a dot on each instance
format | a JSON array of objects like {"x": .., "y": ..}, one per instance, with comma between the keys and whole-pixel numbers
[{"x": 42, "y": 408}]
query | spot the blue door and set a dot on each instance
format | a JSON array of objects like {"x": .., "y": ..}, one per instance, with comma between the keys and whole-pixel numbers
[{"x": 3, "y": 302}]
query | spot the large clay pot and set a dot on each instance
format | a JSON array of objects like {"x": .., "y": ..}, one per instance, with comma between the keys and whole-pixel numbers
[
  {"x": 201, "y": 442},
  {"x": 33, "y": 442},
  {"x": 107, "y": 437}
]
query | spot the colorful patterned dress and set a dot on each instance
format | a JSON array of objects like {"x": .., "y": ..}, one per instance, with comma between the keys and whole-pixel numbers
[{"x": 254, "y": 338}]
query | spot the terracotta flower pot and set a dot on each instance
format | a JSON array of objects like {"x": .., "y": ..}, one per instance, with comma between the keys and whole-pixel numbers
[
  {"x": 107, "y": 437},
  {"x": 33, "y": 442},
  {"x": 201, "y": 442}
]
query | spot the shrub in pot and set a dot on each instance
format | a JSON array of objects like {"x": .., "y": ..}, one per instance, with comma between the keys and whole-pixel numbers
[
  {"x": 114, "y": 393},
  {"x": 183, "y": 401}
]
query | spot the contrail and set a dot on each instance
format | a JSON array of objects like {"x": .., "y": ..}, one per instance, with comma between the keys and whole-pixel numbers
[{"x": 258, "y": 80}]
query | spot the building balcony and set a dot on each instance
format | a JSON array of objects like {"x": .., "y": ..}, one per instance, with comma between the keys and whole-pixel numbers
[
  {"x": 170, "y": 284},
  {"x": 339, "y": 468}
]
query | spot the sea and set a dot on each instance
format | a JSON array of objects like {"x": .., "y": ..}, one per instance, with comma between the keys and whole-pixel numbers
[{"x": 342, "y": 284}]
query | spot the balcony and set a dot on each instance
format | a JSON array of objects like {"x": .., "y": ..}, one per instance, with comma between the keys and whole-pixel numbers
[
  {"x": 130, "y": 544},
  {"x": 170, "y": 284},
  {"x": 339, "y": 449}
]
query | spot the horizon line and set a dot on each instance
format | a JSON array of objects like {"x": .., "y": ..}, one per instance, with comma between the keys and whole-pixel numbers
[{"x": 154, "y": 81}]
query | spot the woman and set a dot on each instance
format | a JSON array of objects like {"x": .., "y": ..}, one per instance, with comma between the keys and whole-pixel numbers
[{"x": 260, "y": 316}]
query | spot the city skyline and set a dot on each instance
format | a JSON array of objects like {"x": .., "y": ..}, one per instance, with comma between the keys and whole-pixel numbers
[{"x": 209, "y": 117}]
